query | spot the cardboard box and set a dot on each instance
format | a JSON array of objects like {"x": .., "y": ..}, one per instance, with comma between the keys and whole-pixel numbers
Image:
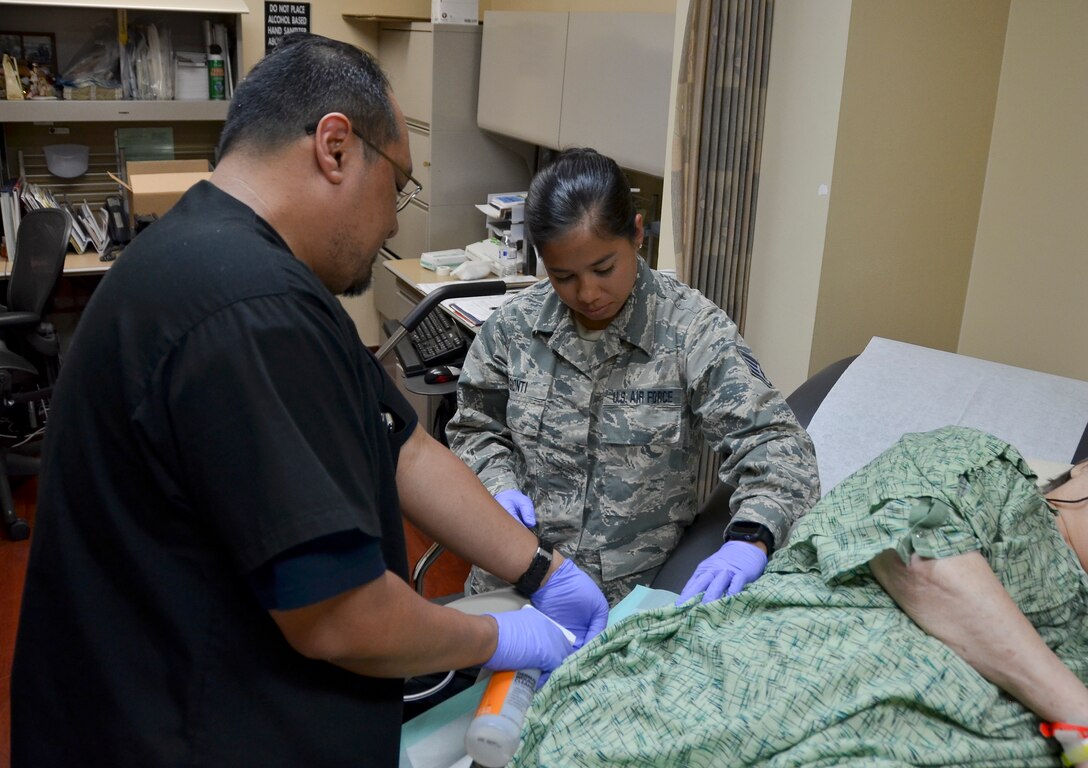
[{"x": 155, "y": 185}]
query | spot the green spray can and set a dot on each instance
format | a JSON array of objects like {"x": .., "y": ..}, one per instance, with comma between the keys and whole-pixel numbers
[{"x": 217, "y": 82}]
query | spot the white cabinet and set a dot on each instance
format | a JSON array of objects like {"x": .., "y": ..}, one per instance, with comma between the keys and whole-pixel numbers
[
  {"x": 580, "y": 79},
  {"x": 435, "y": 74},
  {"x": 616, "y": 87},
  {"x": 521, "y": 74}
]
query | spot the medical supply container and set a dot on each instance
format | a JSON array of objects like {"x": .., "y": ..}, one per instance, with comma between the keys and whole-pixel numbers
[{"x": 494, "y": 734}]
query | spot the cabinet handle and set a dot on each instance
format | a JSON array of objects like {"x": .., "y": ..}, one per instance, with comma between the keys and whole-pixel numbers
[{"x": 426, "y": 163}]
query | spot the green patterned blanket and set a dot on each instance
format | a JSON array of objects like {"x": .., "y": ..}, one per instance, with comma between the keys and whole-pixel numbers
[{"x": 814, "y": 664}]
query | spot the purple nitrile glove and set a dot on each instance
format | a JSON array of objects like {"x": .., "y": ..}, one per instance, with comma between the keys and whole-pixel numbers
[
  {"x": 528, "y": 640},
  {"x": 518, "y": 505},
  {"x": 726, "y": 572},
  {"x": 573, "y": 600}
]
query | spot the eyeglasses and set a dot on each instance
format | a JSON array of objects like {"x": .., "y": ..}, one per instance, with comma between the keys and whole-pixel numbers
[
  {"x": 1066, "y": 501},
  {"x": 403, "y": 196}
]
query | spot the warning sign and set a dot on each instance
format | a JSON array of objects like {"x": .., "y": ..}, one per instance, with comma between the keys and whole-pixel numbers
[{"x": 282, "y": 19}]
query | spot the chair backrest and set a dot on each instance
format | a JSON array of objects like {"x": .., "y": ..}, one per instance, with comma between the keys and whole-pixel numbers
[{"x": 40, "y": 248}]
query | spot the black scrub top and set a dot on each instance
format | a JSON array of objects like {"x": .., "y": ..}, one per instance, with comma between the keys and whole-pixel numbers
[{"x": 216, "y": 410}]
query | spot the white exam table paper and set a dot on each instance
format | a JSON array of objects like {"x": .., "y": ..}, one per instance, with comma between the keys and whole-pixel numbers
[{"x": 893, "y": 388}]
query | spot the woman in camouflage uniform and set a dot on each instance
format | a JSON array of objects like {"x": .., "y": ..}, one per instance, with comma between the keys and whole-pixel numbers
[{"x": 585, "y": 400}]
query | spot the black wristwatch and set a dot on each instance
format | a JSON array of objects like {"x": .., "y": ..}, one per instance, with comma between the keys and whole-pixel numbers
[
  {"x": 750, "y": 531},
  {"x": 534, "y": 574}
]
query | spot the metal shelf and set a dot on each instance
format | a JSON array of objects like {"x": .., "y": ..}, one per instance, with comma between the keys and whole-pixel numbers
[
  {"x": 46, "y": 111},
  {"x": 187, "y": 6}
]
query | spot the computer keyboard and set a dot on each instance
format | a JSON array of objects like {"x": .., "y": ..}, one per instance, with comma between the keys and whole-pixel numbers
[{"x": 435, "y": 341}]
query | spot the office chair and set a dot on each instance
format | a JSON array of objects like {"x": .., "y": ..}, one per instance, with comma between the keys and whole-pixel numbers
[{"x": 29, "y": 351}]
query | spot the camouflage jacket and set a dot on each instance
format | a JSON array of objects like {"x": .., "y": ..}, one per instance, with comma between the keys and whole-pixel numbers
[{"x": 605, "y": 437}]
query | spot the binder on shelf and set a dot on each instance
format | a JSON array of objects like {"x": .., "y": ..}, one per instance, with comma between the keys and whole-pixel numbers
[
  {"x": 190, "y": 76},
  {"x": 95, "y": 224}
]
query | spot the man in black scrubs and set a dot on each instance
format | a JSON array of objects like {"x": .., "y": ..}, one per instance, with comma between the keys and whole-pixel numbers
[{"x": 218, "y": 570}]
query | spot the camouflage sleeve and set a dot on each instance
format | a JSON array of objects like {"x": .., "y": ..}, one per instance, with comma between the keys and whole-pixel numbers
[
  {"x": 478, "y": 432},
  {"x": 766, "y": 455}
]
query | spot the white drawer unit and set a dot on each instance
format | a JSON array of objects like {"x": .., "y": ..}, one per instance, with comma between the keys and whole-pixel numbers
[{"x": 406, "y": 53}]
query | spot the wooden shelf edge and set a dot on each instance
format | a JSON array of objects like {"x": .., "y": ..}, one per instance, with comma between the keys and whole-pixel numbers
[
  {"x": 48, "y": 111},
  {"x": 351, "y": 17}
]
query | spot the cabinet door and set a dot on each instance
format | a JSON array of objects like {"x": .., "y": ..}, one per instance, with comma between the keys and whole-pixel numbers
[
  {"x": 390, "y": 302},
  {"x": 521, "y": 75},
  {"x": 456, "y": 77},
  {"x": 407, "y": 56},
  {"x": 616, "y": 86},
  {"x": 413, "y": 232},
  {"x": 419, "y": 144}
]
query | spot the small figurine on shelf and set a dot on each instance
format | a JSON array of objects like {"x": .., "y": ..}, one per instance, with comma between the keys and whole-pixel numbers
[{"x": 41, "y": 83}]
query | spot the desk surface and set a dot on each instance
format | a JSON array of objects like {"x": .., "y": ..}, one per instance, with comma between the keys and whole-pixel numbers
[
  {"x": 85, "y": 264},
  {"x": 75, "y": 264},
  {"x": 413, "y": 273},
  {"x": 415, "y": 277}
]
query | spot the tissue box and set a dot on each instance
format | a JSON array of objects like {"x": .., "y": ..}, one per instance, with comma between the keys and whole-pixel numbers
[
  {"x": 191, "y": 77},
  {"x": 434, "y": 259},
  {"x": 455, "y": 11}
]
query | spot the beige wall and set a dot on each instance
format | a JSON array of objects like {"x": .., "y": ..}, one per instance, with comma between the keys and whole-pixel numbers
[
  {"x": 910, "y": 162},
  {"x": 666, "y": 248},
  {"x": 808, "y": 58},
  {"x": 1026, "y": 304},
  {"x": 930, "y": 232},
  {"x": 890, "y": 103}
]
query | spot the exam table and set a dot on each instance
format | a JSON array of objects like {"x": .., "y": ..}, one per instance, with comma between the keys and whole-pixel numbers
[{"x": 704, "y": 536}]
